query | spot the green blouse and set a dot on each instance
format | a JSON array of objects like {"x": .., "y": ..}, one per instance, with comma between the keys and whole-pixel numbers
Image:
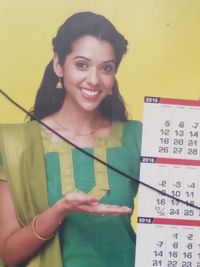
[
  {"x": 96, "y": 240},
  {"x": 39, "y": 172}
]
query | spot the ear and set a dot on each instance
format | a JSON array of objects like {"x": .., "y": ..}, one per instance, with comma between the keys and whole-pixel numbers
[{"x": 57, "y": 67}]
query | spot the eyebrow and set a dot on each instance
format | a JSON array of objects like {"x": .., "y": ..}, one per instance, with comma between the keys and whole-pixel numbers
[{"x": 106, "y": 61}]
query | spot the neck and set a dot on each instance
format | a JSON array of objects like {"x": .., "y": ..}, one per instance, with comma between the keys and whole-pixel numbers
[{"x": 77, "y": 120}]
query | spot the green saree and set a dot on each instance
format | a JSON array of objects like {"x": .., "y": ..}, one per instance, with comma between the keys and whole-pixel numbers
[{"x": 22, "y": 156}]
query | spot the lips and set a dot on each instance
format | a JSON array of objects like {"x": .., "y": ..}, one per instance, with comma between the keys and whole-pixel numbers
[{"x": 91, "y": 93}]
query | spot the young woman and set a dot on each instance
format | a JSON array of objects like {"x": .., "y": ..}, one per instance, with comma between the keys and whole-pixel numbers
[{"x": 58, "y": 206}]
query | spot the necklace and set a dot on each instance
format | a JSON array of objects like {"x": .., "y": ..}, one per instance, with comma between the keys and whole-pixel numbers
[{"x": 73, "y": 132}]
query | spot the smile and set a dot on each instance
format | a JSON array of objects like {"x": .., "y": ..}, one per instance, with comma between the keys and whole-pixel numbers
[{"x": 89, "y": 92}]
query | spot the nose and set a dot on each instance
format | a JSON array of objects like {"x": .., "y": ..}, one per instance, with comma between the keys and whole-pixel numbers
[{"x": 93, "y": 77}]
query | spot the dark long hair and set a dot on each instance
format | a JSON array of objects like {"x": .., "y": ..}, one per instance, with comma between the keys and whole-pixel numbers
[{"x": 48, "y": 98}]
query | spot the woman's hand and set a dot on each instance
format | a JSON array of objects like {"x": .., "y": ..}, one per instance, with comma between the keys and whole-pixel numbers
[
  {"x": 17, "y": 244},
  {"x": 78, "y": 202}
]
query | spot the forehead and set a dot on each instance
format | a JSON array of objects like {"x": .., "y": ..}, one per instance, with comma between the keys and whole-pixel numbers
[{"x": 92, "y": 47}]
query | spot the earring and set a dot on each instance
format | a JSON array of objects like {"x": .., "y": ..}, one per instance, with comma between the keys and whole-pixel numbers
[{"x": 59, "y": 84}]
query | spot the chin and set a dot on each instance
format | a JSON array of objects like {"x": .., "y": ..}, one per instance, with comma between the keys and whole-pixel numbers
[
  {"x": 90, "y": 107},
  {"x": 90, "y": 110}
]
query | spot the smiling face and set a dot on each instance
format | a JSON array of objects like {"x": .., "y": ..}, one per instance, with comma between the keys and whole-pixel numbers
[{"x": 88, "y": 72}]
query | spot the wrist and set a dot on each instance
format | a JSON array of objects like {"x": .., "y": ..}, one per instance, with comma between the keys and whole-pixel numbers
[
  {"x": 35, "y": 231},
  {"x": 62, "y": 209}
]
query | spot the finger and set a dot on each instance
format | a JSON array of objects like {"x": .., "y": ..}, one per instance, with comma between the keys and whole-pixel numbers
[
  {"x": 79, "y": 198},
  {"x": 117, "y": 211},
  {"x": 88, "y": 200},
  {"x": 111, "y": 209},
  {"x": 105, "y": 209}
]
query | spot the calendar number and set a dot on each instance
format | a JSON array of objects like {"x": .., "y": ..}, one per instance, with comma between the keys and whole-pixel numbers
[
  {"x": 172, "y": 263},
  {"x": 157, "y": 262},
  {"x": 163, "y": 149}
]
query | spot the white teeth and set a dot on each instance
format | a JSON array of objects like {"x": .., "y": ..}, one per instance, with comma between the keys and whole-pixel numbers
[{"x": 89, "y": 92}]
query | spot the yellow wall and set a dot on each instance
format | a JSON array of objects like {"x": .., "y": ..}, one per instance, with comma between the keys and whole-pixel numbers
[{"x": 163, "y": 58}]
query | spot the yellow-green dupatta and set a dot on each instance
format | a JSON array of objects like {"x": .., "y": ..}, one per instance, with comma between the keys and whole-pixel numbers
[{"x": 23, "y": 167}]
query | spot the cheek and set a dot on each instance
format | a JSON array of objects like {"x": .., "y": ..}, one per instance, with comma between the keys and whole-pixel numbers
[
  {"x": 109, "y": 82},
  {"x": 73, "y": 79}
]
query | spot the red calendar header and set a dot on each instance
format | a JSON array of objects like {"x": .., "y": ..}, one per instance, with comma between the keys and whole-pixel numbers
[{"x": 171, "y": 101}]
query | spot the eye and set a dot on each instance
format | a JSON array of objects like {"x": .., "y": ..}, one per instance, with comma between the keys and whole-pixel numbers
[
  {"x": 81, "y": 65},
  {"x": 108, "y": 68}
]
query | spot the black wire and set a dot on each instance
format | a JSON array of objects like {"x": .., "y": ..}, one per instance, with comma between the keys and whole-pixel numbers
[{"x": 96, "y": 158}]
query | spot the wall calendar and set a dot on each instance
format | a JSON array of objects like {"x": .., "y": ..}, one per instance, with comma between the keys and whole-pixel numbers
[{"x": 168, "y": 230}]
